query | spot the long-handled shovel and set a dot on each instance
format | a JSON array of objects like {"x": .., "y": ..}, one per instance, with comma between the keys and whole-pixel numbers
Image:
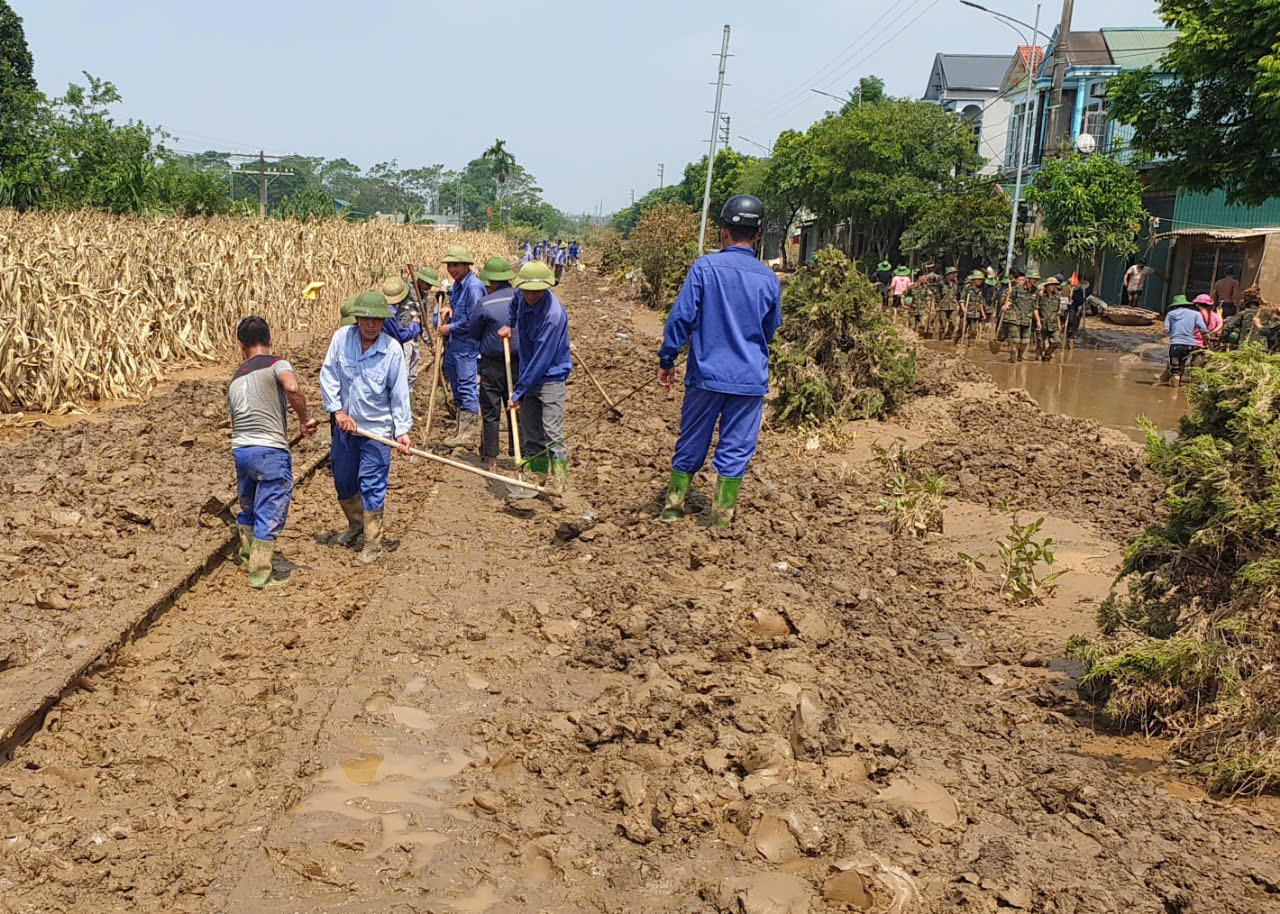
[
  {"x": 616, "y": 414},
  {"x": 516, "y": 491},
  {"x": 465, "y": 467}
]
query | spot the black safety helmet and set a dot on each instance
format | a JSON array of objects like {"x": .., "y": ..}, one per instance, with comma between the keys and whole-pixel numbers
[{"x": 742, "y": 211}]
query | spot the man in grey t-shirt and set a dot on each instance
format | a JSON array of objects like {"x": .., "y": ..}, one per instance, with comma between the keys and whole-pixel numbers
[{"x": 261, "y": 391}]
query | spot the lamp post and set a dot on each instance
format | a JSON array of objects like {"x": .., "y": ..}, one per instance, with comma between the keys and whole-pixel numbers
[
  {"x": 1024, "y": 146},
  {"x": 857, "y": 92},
  {"x": 761, "y": 146}
]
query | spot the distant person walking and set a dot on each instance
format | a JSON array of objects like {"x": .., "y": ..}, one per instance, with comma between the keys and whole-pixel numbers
[
  {"x": 1182, "y": 323},
  {"x": 1135, "y": 281}
]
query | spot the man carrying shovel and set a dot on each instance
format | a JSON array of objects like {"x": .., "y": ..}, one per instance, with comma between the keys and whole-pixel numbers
[
  {"x": 727, "y": 312},
  {"x": 490, "y": 317},
  {"x": 538, "y": 321},
  {"x": 461, "y": 355},
  {"x": 364, "y": 386},
  {"x": 261, "y": 391}
]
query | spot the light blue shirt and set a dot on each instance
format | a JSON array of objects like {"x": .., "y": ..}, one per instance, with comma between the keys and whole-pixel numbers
[
  {"x": 1181, "y": 324},
  {"x": 370, "y": 386}
]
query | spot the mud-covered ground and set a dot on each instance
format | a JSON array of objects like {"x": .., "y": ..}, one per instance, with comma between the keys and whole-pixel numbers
[{"x": 525, "y": 709}]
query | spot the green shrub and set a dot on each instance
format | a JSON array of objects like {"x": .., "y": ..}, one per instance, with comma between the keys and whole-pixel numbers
[{"x": 836, "y": 355}]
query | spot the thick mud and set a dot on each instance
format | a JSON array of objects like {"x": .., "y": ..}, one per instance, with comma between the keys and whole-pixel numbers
[{"x": 538, "y": 709}]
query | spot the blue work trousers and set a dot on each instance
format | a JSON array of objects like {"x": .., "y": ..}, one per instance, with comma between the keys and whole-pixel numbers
[
  {"x": 360, "y": 467},
  {"x": 462, "y": 371},
  {"x": 264, "y": 485},
  {"x": 739, "y": 420}
]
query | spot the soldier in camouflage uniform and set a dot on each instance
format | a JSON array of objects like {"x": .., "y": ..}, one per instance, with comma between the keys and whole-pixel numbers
[
  {"x": 949, "y": 302},
  {"x": 1048, "y": 303},
  {"x": 1020, "y": 315},
  {"x": 973, "y": 306}
]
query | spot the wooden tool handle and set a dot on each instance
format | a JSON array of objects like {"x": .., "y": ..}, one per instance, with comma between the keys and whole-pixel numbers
[
  {"x": 465, "y": 467},
  {"x": 511, "y": 416}
]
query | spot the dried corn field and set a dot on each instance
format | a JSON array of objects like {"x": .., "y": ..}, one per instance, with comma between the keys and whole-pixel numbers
[{"x": 96, "y": 307}]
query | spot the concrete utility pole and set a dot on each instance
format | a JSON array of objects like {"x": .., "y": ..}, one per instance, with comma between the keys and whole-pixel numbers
[
  {"x": 264, "y": 177},
  {"x": 661, "y": 168},
  {"x": 711, "y": 153},
  {"x": 1060, "y": 48},
  {"x": 724, "y": 130}
]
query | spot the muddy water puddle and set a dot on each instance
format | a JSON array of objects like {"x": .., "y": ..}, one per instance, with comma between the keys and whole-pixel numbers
[{"x": 1112, "y": 388}]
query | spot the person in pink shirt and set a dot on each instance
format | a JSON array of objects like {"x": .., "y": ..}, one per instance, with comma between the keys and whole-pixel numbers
[
  {"x": 899, "y": 285},
  {"x": 1212, "y": 319}
]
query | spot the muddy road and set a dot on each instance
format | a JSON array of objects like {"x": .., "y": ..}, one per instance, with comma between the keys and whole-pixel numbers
[{"x": 580, "y": 709}]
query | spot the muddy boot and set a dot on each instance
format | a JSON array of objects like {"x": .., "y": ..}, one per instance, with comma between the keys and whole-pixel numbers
[
  {"x": 677, "y": 491},
  {"x": 1013, "y": 352},
  {"x": 724, "y": 503},
  {"x": 372, "y": 537},
  {"x": 559, "y": 477},
  {"x": 1022, "y": 348},
  {"x": 354, "y": 512},
  {"x": 246, "y": 543},
  {"x": 1175, "y": 381},
  {"x": 538, "y": 467},
  {"x": 466, "y": 434},
  {"x": 260, "y": 563}
]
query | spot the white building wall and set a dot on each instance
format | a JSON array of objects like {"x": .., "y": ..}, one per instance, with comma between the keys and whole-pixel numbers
[{"x": 994, "y": 137}]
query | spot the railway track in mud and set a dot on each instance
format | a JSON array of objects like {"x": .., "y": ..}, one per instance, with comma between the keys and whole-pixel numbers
[{"x": 547, "y": 713}]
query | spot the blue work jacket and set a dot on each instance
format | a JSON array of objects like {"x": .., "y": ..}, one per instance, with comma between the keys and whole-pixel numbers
[
  {"x": 727, "y": 312},
  {"x": 543, "y": 332},
  {"x": 491, "y": 316},
  {"x": 464, "y": 299}
]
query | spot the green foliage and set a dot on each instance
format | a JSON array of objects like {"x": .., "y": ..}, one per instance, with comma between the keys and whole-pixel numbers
[
  {"x": 1020, "y": 556},
  {"x": 1089, "y": 205},
  {"x": 967, "y": 222},
  {"x": 880, "y": 163},
  {"x": 836, "y": 356},
  {"x": 18, "y": 102},
  {"x": 663, "y": 247},
  {"x": 1202, "y": 585},
  {"x": 309, "y": 204},
  {"x": 726, "y": 180},
  {"x": 913, "y": 504},
  {"x": 1211, "y": 109}
]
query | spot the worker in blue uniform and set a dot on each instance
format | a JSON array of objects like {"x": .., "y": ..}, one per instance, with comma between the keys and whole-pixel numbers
[
  {"x": 462, "y": 353},
  {"x": 727, "y": 312}
]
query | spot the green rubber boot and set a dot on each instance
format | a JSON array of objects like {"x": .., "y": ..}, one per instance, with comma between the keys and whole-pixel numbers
[
  {"x": 246, "y": 543},
  {"x": 538, "y": 466},
  {"x": 677, "y": 491},
  {"x": 559, "y": 478},
  {"x": 353, "y": 510},
  {"x": 724, "y": 504},
  {"x": 372, "y": 538},
  {"x": 260, "y": 563}
]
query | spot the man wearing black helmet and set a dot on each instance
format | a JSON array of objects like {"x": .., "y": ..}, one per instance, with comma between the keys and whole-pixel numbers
[{"x": 727, "y": 312}]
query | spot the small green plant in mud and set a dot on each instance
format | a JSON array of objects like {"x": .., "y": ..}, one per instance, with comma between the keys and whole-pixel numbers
[
  {"x": 1020, "y": 555},
  {"x": 837, "y": 356},
  {"x": 914, "y": 504},
  {"x": 1190, "y": 644}
]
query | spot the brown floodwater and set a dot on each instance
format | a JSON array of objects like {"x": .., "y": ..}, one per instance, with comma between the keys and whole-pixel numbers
[{"x": 1114, "y": 388}]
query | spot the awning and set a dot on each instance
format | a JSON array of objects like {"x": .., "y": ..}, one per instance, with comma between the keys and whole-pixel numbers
[{"x": 1219, "y": 235}]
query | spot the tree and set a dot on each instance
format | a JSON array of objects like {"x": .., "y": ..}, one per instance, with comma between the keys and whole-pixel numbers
[
  {"x": 877, "y": 165},
  {"x": 18, "y": 95},
  {"x": 624, "y": 220},
  {"x": 789, "y": 176},
  {"x": 501, "y": 164},
  {"x": 1210, "y": 112},
  {"x": 1087, "y": 206},
  {"x": 726, "y": 178},
  {"x": 971, "y": 223}
]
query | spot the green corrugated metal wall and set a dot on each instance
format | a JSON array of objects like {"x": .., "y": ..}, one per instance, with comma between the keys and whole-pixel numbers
[{"x": 1195, "y": 210}]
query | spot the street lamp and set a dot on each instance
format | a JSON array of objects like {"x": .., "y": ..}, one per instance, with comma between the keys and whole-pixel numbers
[
  {"x": 842, "y": 99},
  {"x": 762, "y": 146},
  {"x": 1024, "y": 147}
]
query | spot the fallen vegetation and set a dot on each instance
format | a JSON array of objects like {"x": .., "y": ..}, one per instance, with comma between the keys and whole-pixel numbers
[
  {"x": 96, "y": 307},
  {"x": 1190, "y": 643},
  {"x": 836, "y": 356}
]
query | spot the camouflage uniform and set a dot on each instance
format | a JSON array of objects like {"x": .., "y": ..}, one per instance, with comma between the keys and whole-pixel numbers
[
  {"x": 1019, "y": 319},
  {"x": 948, "y": 302},
  {"x": 973, "y": 302}
]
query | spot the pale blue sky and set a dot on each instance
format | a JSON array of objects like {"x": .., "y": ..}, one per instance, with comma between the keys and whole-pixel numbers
[{"x": 589, "y": 96}]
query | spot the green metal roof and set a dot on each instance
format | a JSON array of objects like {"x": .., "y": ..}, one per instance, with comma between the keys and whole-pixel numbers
[{"x": 1132, "y": 49}]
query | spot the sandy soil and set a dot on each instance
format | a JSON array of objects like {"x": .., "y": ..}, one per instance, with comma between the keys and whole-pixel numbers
[{"x": 541, "y": 709}]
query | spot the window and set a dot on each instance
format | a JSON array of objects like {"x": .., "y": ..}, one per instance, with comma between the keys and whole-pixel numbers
[
  {"x": 1018, "y": 121},
  {"x": 973, "y": 114}
]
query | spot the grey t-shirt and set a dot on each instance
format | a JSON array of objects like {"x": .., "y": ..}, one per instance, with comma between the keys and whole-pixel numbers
[{"x": 258, "y": 407}]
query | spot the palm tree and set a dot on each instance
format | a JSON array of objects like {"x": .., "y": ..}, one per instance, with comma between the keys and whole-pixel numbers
[{"x": 502, "y": 164}]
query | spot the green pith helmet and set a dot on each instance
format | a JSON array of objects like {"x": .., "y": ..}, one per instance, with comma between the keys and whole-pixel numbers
[
  {"x": 882, "y": 266},
  {"x": 429, "y": 276},
  {"x": 371, "y": 304},
  {"x": 396, "y": 290},
  {"x": 992, "y": 282},
  {"x": 1048, "y": 282},
  {"x": 949, "y": 270},
  {"x": 497, "y": 269},
  {"x": 976, "y": 274},
  {"x": 1180, "y": 301},
  {"x": 347, "y": 317},
  {"x": 457, "y": 254},
  {"x": 1032, "y": 274},
  {"x": 902, "y": 271},
  {"x": 535, "y": 275}
]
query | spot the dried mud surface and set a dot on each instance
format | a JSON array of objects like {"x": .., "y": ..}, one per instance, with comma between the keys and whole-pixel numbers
[{"x": 525, "y": 709}]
